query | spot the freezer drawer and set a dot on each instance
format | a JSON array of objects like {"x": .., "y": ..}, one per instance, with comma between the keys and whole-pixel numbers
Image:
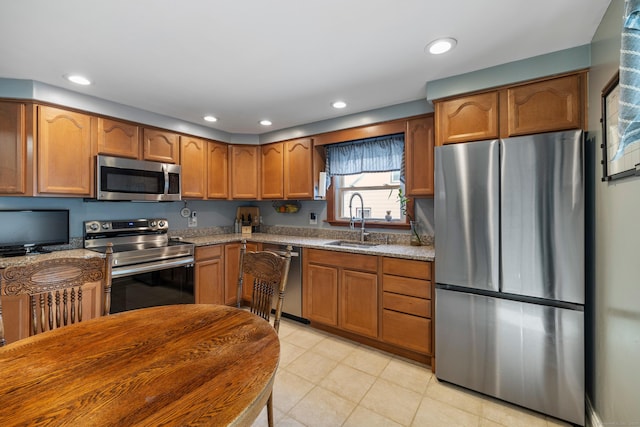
[{"x": 528, "y": 354}]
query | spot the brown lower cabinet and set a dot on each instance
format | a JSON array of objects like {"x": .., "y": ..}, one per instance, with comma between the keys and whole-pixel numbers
[
  {"x": 406, "y": 304},
  {"x": 231, "y": 268},
  {"x": 341, "y": 293},
  {"x": 209, "y": 275}
]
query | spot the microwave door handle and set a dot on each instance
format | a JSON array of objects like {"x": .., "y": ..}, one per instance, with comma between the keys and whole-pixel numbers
[{"x": 166, "y": 179}]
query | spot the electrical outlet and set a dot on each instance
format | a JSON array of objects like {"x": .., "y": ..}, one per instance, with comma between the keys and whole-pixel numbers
[
  {"x": 313, "y": 218},
  {"x": 193, "y": 220}
]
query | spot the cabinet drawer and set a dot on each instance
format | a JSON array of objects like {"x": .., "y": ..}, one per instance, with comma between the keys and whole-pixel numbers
[
  {"x": 407, "y": 331},
  {"x": 343, "y": 259},
  {"x": 405, "y": 304},
  {"x": 406, "y": 286},
  {"x": 206, "y": 252},
  {"x": 407, "y": 268}
]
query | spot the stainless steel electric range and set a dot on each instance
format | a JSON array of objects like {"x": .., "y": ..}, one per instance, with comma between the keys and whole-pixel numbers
[{"x": 149, "y": 268}]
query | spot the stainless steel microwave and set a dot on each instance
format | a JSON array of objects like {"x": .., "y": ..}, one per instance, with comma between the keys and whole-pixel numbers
[{"x": 127, "y": 179}]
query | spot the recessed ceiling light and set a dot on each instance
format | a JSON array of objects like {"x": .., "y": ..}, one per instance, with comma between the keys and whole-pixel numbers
[
  {"x": 265, "y": 122},
  {"x": 442, "y": 45},
  {"x": 339, "y": 104},
  {"x": 78, "y": 79},
  {"x": 210, "y": 118}
]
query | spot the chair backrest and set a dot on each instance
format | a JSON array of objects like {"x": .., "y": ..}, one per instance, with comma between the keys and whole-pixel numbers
[
  {"x": 268, "y": 272},
  {"x": 54, "y": 287}
]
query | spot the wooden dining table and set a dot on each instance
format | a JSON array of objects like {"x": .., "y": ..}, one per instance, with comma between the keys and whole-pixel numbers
[{"x": 191, "y": 364}]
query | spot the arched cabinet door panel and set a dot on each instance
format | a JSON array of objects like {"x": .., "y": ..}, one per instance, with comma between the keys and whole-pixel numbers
[
  {"x": 468, "y": 118},
  {"x": 546, "y": 106},
  {"x": 65, "y": 154}
]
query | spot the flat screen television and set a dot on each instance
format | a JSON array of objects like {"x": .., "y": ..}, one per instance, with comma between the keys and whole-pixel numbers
[{"x": 29, "y": 230}]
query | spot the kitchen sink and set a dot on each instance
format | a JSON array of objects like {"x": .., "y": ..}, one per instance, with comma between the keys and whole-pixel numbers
[{"x": 352, "y": 244}]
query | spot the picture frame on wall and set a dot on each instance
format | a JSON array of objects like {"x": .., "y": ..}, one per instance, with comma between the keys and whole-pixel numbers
[{"x": 615, "y": 165}]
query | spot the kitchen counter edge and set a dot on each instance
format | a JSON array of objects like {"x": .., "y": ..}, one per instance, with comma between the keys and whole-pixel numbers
[{"x": 421, "y": 253}]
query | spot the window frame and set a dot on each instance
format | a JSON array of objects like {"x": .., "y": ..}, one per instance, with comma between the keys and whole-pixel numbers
[{"x": 331, "y": 219}]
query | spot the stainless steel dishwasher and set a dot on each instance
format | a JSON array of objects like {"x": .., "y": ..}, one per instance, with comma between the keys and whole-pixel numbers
[{"x": 292, "y": 306}]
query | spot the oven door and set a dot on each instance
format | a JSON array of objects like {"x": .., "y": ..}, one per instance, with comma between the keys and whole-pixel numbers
[{"x": 152, "y": 287}]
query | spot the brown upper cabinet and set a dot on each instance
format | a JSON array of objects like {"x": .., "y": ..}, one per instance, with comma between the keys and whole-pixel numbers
[
  {"x": 468, "y": 118},
  {"x": 419, "y": 151},
  {"x": 15, "y": 176},
  {"x": 272, "y": 171},
  {"x": 287, "y": 169},
  {"x": 66, "y": 142},
  {"x": 298, "y": 169},
  {"x": 161, "y": 146},
  {"x": 204, "y": 168},
  {"x": 245, "y": 162},
  {"x": 45, "y": 150},
  {"x": 117, "y": 138},
  {"x": 193, "y": 155},
  {"x": 218, "y": 170},
  {"x": 543, "y": 105}
]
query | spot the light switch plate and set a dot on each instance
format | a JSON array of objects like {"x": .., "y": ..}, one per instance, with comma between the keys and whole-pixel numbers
[{"x": 313, "y": 218}]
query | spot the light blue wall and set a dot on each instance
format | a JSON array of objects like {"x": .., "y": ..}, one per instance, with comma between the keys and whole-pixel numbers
[
  {"x": 392, "y": 112},
  {"x": 33, "y": 90},
  {"x": 615, "y": 324},
  {"x": 563, "y": 61},
  {"x": 210, "y": 213}
]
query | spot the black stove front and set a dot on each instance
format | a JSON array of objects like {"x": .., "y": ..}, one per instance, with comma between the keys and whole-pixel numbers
[{"x": 153, "y": 288}]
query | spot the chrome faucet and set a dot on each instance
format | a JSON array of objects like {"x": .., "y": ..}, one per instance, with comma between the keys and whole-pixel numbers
[{"x": 351, "y": 223}]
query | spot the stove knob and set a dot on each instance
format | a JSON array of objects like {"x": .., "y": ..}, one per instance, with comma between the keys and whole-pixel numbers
[
  {"x": 152, "y": 223},
  {"x": 161, "y": 224},
  {"x": 94, "y": 226},
  {"x": 106, "y": 225}
]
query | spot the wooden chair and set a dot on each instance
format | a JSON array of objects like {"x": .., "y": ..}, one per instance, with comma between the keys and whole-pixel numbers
[
  {"x": 268, "y": 272},
  {"x": 54, "y": 287}
]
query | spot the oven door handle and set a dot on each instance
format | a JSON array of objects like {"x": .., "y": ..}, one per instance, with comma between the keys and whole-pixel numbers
[{"x": 131, "y": 270}]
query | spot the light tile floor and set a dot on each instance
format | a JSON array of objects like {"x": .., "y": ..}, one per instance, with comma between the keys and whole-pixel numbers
[{"x": 327, "y": 381}]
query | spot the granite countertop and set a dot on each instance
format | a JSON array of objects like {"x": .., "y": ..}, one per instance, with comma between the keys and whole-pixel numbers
[
  {"x": 422, "y": 253},
  {"x": 27, "y": 259}
]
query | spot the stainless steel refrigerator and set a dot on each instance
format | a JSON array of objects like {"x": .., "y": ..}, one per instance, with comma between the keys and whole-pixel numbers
[{"x": 509, "y": 229}]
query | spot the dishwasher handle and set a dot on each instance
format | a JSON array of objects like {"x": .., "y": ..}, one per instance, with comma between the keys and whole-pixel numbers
[{"x": 280, "y": 251}]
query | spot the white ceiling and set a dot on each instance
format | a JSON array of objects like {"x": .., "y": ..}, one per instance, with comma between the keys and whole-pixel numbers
[{"x": 285, "y": 60}]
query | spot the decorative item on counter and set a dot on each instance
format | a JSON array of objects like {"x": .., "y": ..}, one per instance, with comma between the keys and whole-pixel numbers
[
  {"x": 388, "y": 216},
  {"x": 246, "y": 230},
  {"x": 289, "y": 206},
  {"x": 248, "y": 216},
  {"x": 415, "y": 239}
]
